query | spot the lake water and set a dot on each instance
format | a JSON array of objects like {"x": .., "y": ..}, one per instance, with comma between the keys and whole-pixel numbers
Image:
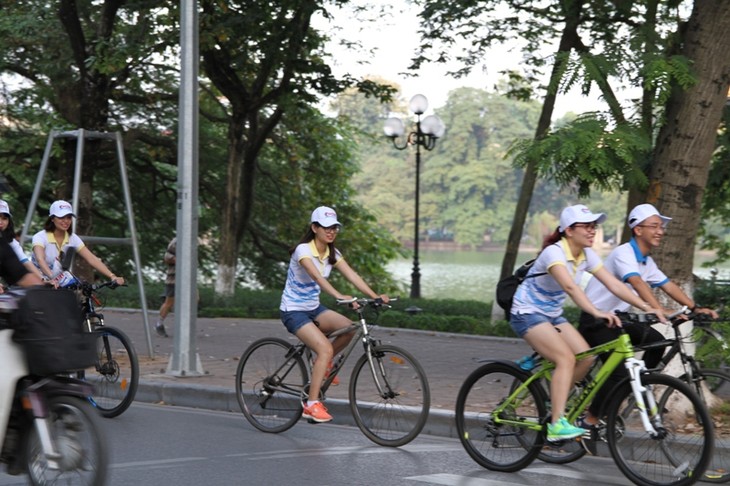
[{"x": 473, "y": 275}]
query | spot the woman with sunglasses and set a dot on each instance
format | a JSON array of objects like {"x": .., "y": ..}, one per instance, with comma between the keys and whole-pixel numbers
[
  {"x": 310, "y": 265},
  {"x": 537, "y": 308}
]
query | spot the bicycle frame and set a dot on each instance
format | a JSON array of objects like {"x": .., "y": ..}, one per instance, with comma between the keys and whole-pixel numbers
[{"x": 620, "y": 351}]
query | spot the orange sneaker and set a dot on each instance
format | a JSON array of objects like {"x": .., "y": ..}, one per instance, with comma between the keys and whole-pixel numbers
[{"x": 317, "y": 412}]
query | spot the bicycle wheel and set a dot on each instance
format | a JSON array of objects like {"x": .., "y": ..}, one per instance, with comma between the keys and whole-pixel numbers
[
  {"x": 680, "y": 451},
  {"x": 115, "y": 375},
  {"x": 492, "y": 444},
  {"x": 269, "y": 382},
  {"x": 710, "y": 349},
  {"x": 77, "y": 436},
  {"x": 714, "y": 389},
  {"x": 390, "y": 400}
]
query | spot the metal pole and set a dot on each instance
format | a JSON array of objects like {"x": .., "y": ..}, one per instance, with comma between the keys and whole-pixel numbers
[
  {"x": 184, "y": 360},
  {"x": 416, "y": 275}
]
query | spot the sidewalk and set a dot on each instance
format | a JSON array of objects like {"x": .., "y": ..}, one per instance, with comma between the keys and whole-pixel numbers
[{"x": 446, "y": 358}]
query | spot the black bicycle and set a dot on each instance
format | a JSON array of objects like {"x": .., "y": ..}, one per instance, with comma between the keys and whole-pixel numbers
[{"x": 115, "y": 375}]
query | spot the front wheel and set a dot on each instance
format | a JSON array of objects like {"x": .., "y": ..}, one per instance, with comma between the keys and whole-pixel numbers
[
  {"x": 499, "y": 420},
  {"x": 389, "y": 397},
  {"x": 77, "y": 437},
  {"x": 115, "y": 375},
  {"x": 681, "y": 447},
  {"x": 270, "y": 380}
]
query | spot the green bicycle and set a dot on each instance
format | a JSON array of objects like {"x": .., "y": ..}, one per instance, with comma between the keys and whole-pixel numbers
[{"x": 658, "y": 430}]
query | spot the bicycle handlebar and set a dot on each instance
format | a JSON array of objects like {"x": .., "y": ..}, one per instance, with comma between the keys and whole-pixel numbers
[{"x": 364, "y": 301}]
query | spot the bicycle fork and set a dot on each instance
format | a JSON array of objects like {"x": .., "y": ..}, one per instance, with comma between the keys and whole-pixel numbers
[
  {"x": 645, "y": 402},
  {"x": 34, "y": 402},
  {"x": 378, "y": 372}
]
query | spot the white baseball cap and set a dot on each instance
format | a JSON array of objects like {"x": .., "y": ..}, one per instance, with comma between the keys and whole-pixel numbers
[
  {"x": 60, "y": 209},
  {"x": 642, "y": 212},
  {"x": 579, "y": 214},
  {"x": 4, "y": 208},
  {"x": 325, "y": 217}
]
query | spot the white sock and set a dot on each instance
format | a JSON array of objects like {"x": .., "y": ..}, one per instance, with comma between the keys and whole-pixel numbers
[{"x": 311, "y": 402}]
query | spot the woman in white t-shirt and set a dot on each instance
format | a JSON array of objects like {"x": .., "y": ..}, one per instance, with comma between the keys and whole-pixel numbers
[
  {"x": 311, "y": 263},
  {"x": 7, "y": 232},
  {"x": 56, "y": 237},
  {"x": 537, "y": 308}
]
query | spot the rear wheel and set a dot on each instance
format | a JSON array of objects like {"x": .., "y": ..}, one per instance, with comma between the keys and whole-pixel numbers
[
  {"x": 487, "y": 437},
  {"x": 390, "y": 401},
  {"x": 270, "y": 380},
  {"x": 714, "y": 389},
  {"x": 115, "y": 375},
  {"x": 680, "y": 450}
]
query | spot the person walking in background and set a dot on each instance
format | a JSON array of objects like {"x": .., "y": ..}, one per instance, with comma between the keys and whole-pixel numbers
[
  {"x": 169, "y": 302},
  {"x": 56, "y": 237},
  {"x": 537, "y": 309},
  {"x": 7, "y": 232},
  {"x": 311, "y": 263},
  {"x": 632, "y": 264}
]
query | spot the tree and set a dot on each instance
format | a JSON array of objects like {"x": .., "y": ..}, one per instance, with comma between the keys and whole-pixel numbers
[{"x": 265, "y": 59}]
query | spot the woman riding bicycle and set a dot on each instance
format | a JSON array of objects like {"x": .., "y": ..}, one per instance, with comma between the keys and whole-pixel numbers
[
  {"x": 55, "y": 238},
  {"x": 310, "y": 265},
  {"x": 537, "y": 309}
]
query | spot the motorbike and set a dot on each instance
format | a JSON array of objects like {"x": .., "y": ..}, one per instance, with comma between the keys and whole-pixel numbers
[{"x": 48, "y": 429}]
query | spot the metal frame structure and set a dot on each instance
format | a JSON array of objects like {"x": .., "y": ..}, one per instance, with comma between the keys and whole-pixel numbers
[{"x": 81, "y": 136}]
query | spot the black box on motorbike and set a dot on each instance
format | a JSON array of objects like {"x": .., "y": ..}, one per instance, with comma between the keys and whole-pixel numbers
[{"x": 49, "y": 325}]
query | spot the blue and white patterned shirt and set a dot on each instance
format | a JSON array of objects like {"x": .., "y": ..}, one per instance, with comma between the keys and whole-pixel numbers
[
  {"x": 301, "y": 292},
  {"x": 543, "y": 294}
]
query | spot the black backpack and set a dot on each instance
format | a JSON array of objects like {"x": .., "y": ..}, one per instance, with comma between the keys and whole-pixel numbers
[{"x": 507, "y": 287}]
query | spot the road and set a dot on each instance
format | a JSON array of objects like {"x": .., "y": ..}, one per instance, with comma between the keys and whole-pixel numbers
[{"x": 163, "y": 445}]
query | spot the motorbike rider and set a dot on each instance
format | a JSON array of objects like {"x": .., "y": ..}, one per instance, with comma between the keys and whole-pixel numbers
[{"x": 14, "y": 272}]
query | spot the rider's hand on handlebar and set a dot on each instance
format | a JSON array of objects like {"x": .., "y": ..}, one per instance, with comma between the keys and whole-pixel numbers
[
  {"x": 659, "y": 313},
  {"x": 117, "y": 280},
  {"x": 707, "y": 312},
  {"x": 612, "y": 320},
  {"x": 384, "y": 298}
]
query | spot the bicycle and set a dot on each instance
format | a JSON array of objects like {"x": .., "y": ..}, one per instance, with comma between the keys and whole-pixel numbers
[
  {"x": 388, "y": 392},
  {"x": 712, "y": 385},
  {"x": 115, "y": 375},
  {"x": 658, "y": 430}
]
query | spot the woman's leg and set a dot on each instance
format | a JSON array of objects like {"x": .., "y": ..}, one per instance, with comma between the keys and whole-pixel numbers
[
  {"x": 330, "y": 321},
  {"x": 577, "y": 344},
  {"x": 544, "y": 339},
  {"x": 315, "y": 340}
]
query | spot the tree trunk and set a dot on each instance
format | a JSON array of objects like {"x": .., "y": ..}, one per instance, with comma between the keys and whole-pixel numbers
[
  {"x": 567, "y": 42},
  {"x": 687, "y": 139}
]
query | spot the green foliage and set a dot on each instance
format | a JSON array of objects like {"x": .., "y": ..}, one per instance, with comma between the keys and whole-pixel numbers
[{"x": 586, "y": 153}]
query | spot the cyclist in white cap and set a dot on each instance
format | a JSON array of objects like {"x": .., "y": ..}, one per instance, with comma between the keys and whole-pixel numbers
[
  {"x": 56, "y": 237},
  {"x": 632, "y": 264},
  {"x": 537, "y": 308},
  {"x": 7, "y": 232},
  {"x": 312, "y": 260}
]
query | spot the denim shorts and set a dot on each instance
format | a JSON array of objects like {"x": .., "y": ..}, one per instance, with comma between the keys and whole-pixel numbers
[
  {"x": 521, "y": 323},
  {"x": 293, "y": 320}
]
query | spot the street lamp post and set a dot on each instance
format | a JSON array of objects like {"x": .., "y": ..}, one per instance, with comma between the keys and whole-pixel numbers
[{"x": 425, "y": 135}]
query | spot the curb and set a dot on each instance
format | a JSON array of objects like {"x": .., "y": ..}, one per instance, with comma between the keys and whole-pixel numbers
[{"x": 440, "y": 422}]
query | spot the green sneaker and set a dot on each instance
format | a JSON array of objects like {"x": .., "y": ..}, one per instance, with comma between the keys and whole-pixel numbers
[{"x": 562, "y": 430}]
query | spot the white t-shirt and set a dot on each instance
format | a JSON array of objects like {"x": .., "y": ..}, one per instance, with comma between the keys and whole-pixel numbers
[
  {"x": 543, "y": 294},
  {"x": 53, "y": 252},
  {"x": 301, "y": 292},
  {"x": 623, "y": 262}
]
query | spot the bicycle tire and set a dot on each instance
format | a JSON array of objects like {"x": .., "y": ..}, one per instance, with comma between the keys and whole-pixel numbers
[
  {"x": 115, "y": 375},
  {"x": 714, "y": 390},
  {"x": 77, "y": 435},
  {"x": 270, "y": 380},
  {"x": 682, "y": 451},
  {"x": 495, "y": 446},
  {"x": 396, "y": 416}
]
